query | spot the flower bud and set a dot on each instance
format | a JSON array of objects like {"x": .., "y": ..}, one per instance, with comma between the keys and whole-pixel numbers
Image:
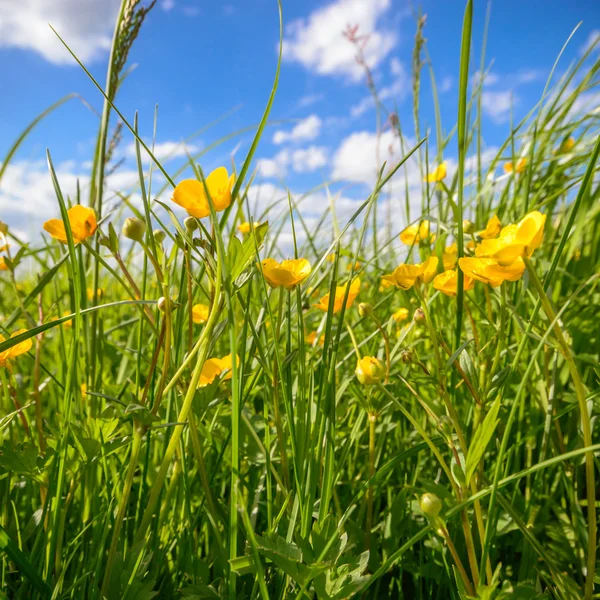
[
  {"x": 365, "y": 309},
  {"x": 369, "y": 370},
  {"x": 159, "y": 236},
  {"x": 163, "y": 303},
  {"x": 419, "y": 315},
  {"x": 190, "y": 224},
  {"x": 468, "y": 227},
  {"x": 431, "y": 505},
  {"x": 134, "y": 229}
]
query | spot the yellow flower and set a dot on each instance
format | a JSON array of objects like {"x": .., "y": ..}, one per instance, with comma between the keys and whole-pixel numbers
[
  {"x": 449, "y": 256},
  {"x": 437, "y": 174},
  {"x": 3, "y": 265},
  {"x": 311, "y": 338},
  {"x": 199, "y": 313},
  {"x": 90, "y": 293},
  {"x": 369, "y": 370},
  {"x": 400, "y": 315},
  {"x": 245, "y": 227},
  {"x": 567, "y": 145},
  {"x": 405, "y": 276},
  {"x": 447, "y": 282},
  {"x": 288, "y": 273},
  {"x": 492, "y": 229},
  {"x": 471, "y": 245},
  {"x": 191, "y": 195},
  {"x": 330, "y": 257},
  {"x": 19, "y": 348},
  {"x": 82, "y": 221},
  {"x": 340, "y": 292},
  {"x": 83, "y": 389},
  {"x": 515, "y": 241},
  {"x": 521, "y": 166},
  {"x": 357, "y": 266},
  {"x": 215, "y": 367},
  {"x": 413, "y": 234},
  {"x": 489, "y": 271}
]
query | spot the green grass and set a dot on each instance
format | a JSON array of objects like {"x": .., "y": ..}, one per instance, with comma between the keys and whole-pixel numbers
[{"x": 121, "y": 478}]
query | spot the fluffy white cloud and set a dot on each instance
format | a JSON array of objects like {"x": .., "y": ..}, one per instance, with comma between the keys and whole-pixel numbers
[
  {"x": 164, "y": 151},
  {"x": 592, "y": 39},
  {"x": 301, "y": 160},
  {"x": 306, "y": 129},
  {"x": 318, "y": 44},
  {"x": 167, "y": 5},
  {"x": 274, "y": 167},
  {"x": 497, "y": 104},
  {"x": 86, "y": 25}
]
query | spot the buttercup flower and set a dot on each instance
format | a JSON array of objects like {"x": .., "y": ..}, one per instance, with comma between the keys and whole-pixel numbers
[
  {"x": 437, "y": 174},
  {"x": 492, "y": 229},
  {"x": 515, "y": 241},
  {"x": 3, "y": 265},
  {"x": 13, "y": 352},
  {"x": 519, "y": 168},
  {"x": 288, "y": 273},
  {"x": 447, "y": 282},
  {"x": 449, "y": 256},
  {"x": 82, "y": 221},
  {"x": 340, "y": 292},
  {"x": 490, "y": 271},
  {"x": 190, "y": 193},
  {"x": 400, "y": 315},
  {"x": 369, "y": 370},
  {"x": 245, "y": 227},
  {"x": 199, "y": 313},
  {"x": 90, "y": 293},
  {"x": 215, "y": 367},
  {"x": 405, "y": 276},
  {"x": 311, "y": 338},
  {"x": 413, "y": 234},
  {"x": 567, "y": 145}
]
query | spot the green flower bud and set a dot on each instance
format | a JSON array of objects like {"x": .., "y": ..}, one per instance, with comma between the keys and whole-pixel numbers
[
  {"x": 365, "y": 309},
  {"x": 190, "y": 224},
  {"x": 468, "y": 227},
  {"x": 431, "y": 505},
  {"x": 159, "y": 236},
  {"x": 419, "y": 315},
  {"x": 134, "y": 229}
]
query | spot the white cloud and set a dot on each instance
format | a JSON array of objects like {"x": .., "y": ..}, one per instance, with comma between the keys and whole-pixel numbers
[
  {"x": 85, "y": 25},
  {"x": 167, "y": 5},
  {"x": 309, "y": 159},
  {"x": 497, "y": 104},
  {"x": 306, "y": 129},
  {"x": 489, "y": 78},
  {"x": 164, "y": 151},
  {"x": 274, "y": 167},
  {"x": 309, "y": 100},
  {"x": 318, "y": 44},
  {"x": 592, "y": 39},
  {"x": 446, "y": 84}
]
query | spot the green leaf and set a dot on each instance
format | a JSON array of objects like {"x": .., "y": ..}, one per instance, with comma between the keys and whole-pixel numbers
[
  {"x": 245, "y": 253},
  {"x": 481, "y": 439}
]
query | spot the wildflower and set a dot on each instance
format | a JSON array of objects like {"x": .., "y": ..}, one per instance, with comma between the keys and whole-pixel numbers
[
  {"x": 405, "y": 276},
  {"x": 400, "y": 315},
  {"x": 134, "y": 229},
  {"x": 515, "y": 240},
  {"x": 199, "y": 313},
  {"x": 19, "y": 348},
  {"x": 312, "y": 337},
  {"x": 419, "y": 315},
  {"x": 369, "y": 370},
  {"x": 357, "y": 266},
  {"x": 567, "y": 145},
  {"x": 3, "y": 265},
  {"x": 447, "y": 282},
  {"x": 83, "y": 389},
  {"x": 82, "y": 221},
  {"x": 190, "y": 224},
  {"x": 413, "y": 234},
  {"x": 437, "y": 174},
  {"x": 288, "y": 273},
  {"x": 490, "y": 271},
  {"x": 492, "y": 229},
  {"x": 245, "y": 227},
  {"x": 365, "y": 309},
  {"x": 519, "y": 168},
  {"x": 471, "y": 245},
  {"x": 468, "y": 226},
  {"x": 90, "y": 293},
  {"x": 191, "y": 195},
  {"x": 449, "y": 256},
  {"x": 159, "y": 236},
  {"x": 340, "y": 292},
  {"x": 215, "y": 367},
  {"x": 330, "y": 257}
]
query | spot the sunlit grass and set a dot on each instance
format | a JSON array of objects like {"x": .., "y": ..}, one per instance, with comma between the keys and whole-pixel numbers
[{"x": 384, "y": 408}]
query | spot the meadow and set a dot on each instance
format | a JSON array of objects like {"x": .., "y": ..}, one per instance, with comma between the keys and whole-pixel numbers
[{"x": 385, "y": 408}]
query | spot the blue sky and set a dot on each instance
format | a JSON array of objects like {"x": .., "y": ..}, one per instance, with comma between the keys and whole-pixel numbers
[{"x": 199, "y": 59}]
